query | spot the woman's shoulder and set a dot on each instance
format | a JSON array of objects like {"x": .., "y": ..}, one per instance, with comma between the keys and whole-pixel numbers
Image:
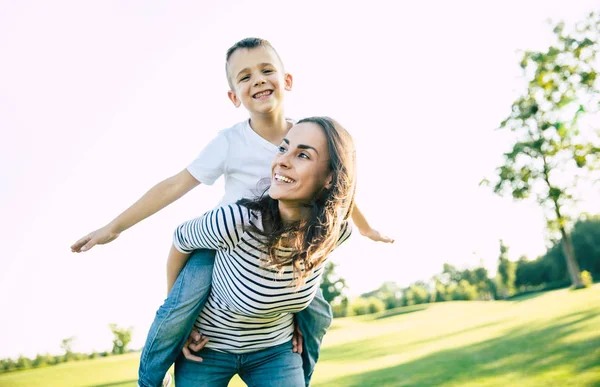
[{"x": 239, "y": 213}]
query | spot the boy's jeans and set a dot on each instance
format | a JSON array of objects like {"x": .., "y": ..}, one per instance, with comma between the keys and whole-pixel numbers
[{"x": 175, "y": 319}]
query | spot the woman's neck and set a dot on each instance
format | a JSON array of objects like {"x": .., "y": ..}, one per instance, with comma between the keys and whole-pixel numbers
[
  {"x": 271, "y": 127},
  {"x": 292, "y": 212}
]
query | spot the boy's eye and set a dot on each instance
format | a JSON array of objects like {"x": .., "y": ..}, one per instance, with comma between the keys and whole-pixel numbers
[
  {"x": 245, "y": 78},
  {"x": 267, "y": 71}
]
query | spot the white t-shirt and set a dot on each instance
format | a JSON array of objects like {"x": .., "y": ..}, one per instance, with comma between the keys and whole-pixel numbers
[{"x": 242, "y": 156}]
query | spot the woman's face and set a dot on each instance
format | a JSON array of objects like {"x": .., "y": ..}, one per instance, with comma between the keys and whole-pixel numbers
[{"x": 301, "y": 168}]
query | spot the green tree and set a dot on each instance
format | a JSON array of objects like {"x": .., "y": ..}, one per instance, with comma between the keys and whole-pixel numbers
[
  {"x": 67, "y": 346},
  {"x": 122, "y": 338},
  {"x": 507, "y": 272},
  {"x": 332, "y": 285},
  {"x": 551, "y": 154}
]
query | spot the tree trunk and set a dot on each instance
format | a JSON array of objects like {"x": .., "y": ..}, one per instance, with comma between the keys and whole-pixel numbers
[{"x": 572, "y": 265}]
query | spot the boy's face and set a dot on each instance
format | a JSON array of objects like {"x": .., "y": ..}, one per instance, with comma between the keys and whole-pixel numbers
[{"x": 258, "y": 80}]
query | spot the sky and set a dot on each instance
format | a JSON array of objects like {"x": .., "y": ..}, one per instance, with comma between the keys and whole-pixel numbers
[{"x": 100, "y": 100}]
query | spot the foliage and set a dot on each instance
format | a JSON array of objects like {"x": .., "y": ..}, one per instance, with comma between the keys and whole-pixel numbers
[
  {"x": 361, "y": 306},
  {"x": 586, "y": 277},
  {"x": 122, "y": 338},
  {"x": 507, "y": 272},
  {"x": 552, "y": 152},
  {"x": 332, "y": 285}
]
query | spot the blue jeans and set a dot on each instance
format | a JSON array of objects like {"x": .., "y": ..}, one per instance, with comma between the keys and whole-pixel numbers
[
  {"x": 175, "y": 319},
  {"x": 273, "y": 367}
]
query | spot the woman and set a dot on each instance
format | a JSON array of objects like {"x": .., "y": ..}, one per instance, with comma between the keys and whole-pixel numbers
[{"x": 270, "y": 258}]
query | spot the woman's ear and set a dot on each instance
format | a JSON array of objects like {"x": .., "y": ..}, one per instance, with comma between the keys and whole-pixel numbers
[{"x": 328, "y": 181}]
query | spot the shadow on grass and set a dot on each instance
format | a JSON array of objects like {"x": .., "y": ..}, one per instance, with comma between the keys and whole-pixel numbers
[
  {"x": 402, "y": 310},
  {"x": 132, "y": 382},
  {"x": 387, "y": 344},
  {"x": 526, "y": 297},
  {"x": 523, "y": 351}
]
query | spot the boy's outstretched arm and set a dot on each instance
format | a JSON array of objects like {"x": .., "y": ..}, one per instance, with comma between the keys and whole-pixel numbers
[
  {"x": 157, "y": 198},
  {"x": 365, "y": 229}
]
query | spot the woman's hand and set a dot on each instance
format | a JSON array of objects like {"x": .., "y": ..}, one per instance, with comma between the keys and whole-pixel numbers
[
  {"x": 195, "y": 342},
  {"x": 297, "y": 340}
]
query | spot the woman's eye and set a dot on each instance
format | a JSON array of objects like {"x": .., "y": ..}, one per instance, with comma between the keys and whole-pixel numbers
[
  {"x": 303, "y": 155},
  {"x": 281, "y": 149}
]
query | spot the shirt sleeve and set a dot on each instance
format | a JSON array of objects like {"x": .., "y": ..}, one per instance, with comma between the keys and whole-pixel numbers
[
  {"x": 219, "y": 229},
  {"x": 211, "y": 162},
  {"x": 344, "y": 233}
]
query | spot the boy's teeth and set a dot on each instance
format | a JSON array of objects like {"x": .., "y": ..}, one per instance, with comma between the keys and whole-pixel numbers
[{"x": 262, "y": 93}]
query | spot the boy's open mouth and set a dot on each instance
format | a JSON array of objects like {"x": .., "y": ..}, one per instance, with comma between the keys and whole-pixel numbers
[{"x": 262, "y": 94}]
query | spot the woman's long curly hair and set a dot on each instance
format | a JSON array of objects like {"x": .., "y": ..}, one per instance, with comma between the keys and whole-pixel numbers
[{"x": 312, "y": 239}]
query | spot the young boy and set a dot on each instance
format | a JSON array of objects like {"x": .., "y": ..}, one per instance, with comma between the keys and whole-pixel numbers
[{"x": 243, "y": 154}]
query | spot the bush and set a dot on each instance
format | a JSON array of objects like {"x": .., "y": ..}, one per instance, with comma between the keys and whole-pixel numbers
[
  {"x": 362, "y": 306},
  {"x": 586, "y": 278}
]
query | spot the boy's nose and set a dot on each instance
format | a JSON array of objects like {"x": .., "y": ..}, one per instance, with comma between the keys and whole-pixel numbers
[{"x": 260, "y": 82}]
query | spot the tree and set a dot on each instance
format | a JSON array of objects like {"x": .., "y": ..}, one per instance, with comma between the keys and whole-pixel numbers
[
  {"x": 551, "y": 154},
  {"x": 122, "y": 338},
  {"x": 67, "y": 346},
  {"x": 507, "y": 272},
  {"x": 332, "y": 285}
]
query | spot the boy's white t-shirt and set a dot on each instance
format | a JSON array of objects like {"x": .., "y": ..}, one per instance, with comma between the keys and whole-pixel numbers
[{"x": 242, "y": 156}]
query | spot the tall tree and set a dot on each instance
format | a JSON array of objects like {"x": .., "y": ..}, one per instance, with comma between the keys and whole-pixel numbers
[
  {"x": 122, "y": 338},
  {"x": 552, "y": 151},
  {"x": 506, "y": 272}
]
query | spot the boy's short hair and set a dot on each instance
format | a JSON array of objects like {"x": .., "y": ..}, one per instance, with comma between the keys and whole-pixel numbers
[{"x": 247, "y": 43}]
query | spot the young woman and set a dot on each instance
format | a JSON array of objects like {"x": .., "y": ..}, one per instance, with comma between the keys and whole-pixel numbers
[{"x": 269, "y": 261}]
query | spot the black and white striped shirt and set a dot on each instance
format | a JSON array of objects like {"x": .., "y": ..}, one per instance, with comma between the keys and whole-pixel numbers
[{"x": 250, "y": 307}]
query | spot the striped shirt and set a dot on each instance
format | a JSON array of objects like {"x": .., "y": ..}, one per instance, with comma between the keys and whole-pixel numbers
[{"x": 250, "y": 307}]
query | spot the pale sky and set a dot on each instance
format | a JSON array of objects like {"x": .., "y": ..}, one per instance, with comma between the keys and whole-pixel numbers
[{"x": 101, "y": 100}]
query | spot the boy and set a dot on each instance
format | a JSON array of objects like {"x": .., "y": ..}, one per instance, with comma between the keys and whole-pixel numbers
[{"x": 243, "y": 154}]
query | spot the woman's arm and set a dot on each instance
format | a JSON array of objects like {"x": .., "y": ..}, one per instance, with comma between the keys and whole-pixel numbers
[{"x": 175, "y": 262}]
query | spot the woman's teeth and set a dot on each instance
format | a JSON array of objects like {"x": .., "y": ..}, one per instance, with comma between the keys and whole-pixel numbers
[{"x": 283, "y": 179}]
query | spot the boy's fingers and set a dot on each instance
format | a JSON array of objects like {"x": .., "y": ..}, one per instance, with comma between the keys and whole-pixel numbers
[{"x": 76, "y": 247}]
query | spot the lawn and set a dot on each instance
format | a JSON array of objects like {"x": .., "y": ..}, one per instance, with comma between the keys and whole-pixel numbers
[{"x": 551, "y": 339}]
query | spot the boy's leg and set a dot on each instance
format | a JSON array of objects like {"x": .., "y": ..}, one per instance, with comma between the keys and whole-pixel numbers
[
  {"x": 273, "y": 367},
  {"x": 175, "y": 319},
  {"x": 313, "y": 322}
]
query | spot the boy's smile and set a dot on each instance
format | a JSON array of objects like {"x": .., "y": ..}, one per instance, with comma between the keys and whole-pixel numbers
[{"x": 258, "y": 80}]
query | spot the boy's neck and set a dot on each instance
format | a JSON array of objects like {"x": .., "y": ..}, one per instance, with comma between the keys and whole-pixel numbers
[{"x": 271, "y": 127}]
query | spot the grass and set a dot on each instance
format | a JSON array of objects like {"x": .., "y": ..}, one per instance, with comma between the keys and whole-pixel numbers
[{"x": 551, "y": 339}]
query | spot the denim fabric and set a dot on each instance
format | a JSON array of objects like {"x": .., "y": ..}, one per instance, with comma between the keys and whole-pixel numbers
[
  {"x": 313, "y": 322},
  {"x": 175, "y": 318},
  {"x": 273, "y": 367}
]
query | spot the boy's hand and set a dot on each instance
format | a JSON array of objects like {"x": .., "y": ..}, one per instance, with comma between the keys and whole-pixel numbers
[
  {"x": 376, "y": 236},
  {"x": 297, "y": 340},
  {"x": 195, "y": 342},
  {"x": 99, "y": 237}
]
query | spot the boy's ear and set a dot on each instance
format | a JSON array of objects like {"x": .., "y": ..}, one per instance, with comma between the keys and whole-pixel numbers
[
  {"x": 234, "y": 98},
  {"x": 289, "y": 81}
]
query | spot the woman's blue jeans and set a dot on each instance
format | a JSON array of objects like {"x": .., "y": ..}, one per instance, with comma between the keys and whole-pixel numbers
[
  {"x": 277, "y": 366},
  {"x": 175, "y": 319}
]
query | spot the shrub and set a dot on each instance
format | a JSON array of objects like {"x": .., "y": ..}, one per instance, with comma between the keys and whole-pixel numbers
[{"x": 586, "y": 278}]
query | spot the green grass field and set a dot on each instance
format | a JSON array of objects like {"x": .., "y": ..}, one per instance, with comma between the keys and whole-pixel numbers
[{"x": 545, "y": 339}]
